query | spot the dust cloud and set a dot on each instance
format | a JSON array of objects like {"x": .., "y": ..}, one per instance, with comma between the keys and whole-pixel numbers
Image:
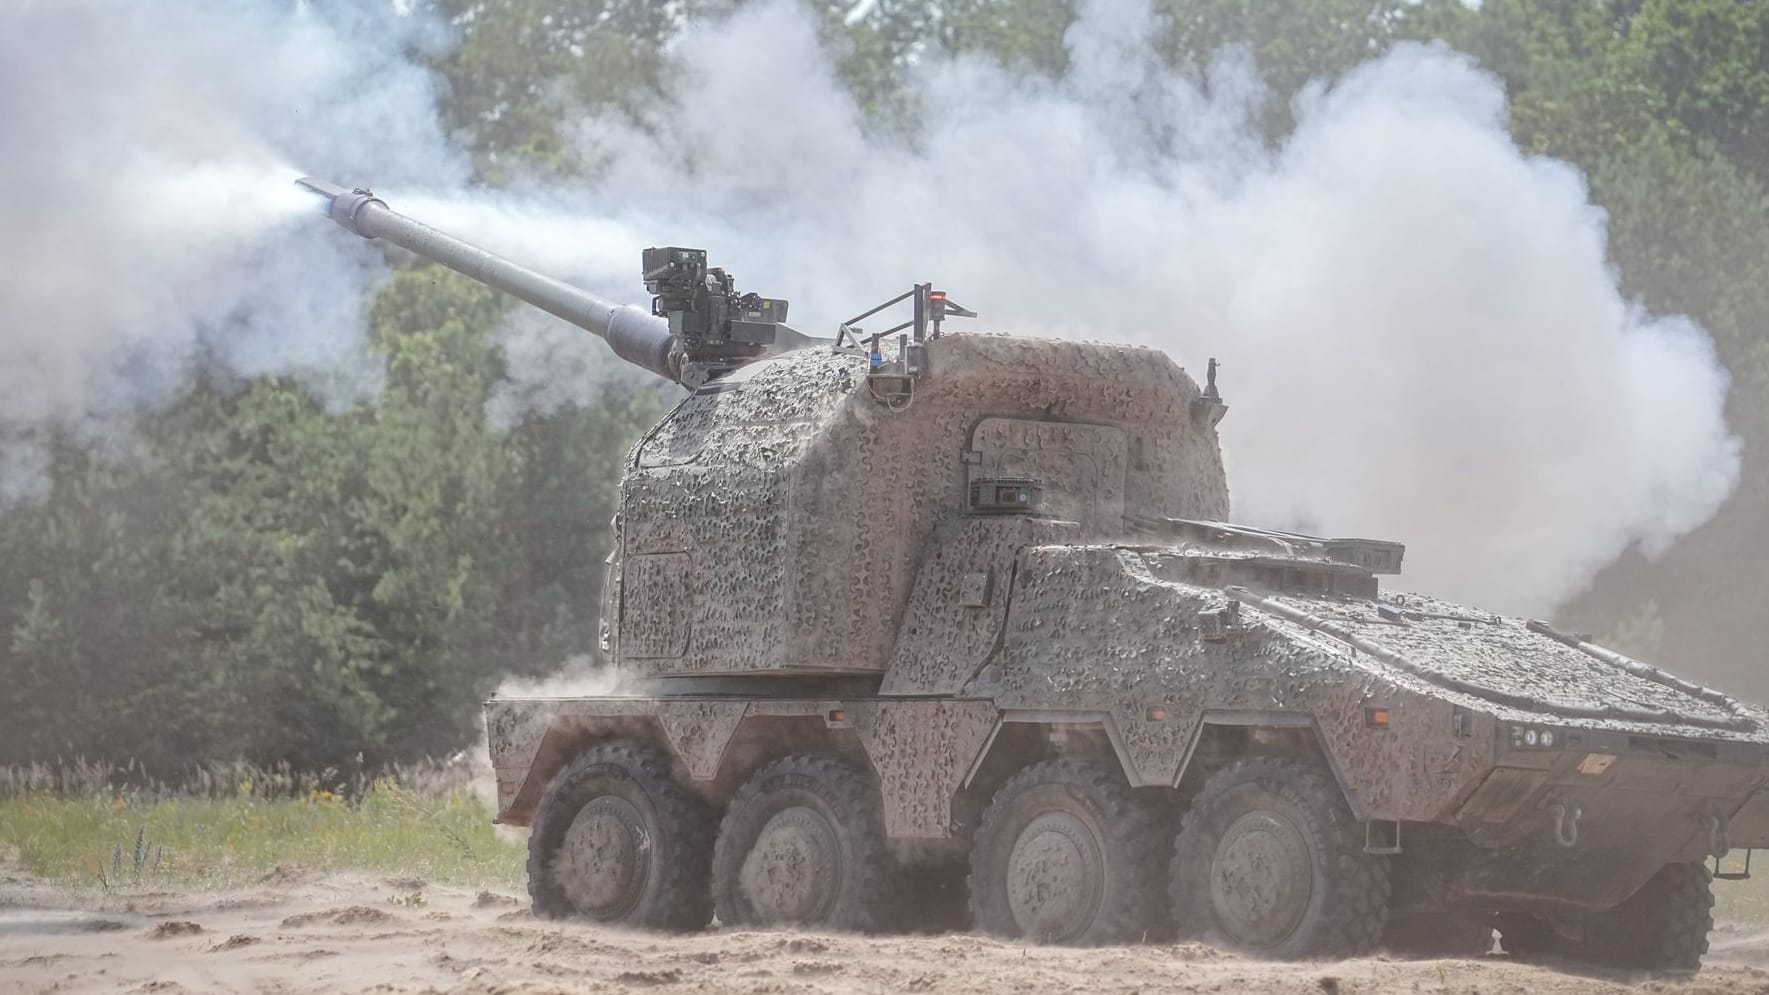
[
  {"x": 1421, "y": 334},
  {"x": 578, "y": 677}
]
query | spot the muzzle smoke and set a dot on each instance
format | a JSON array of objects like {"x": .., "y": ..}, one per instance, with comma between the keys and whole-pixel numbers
[
  {"x": 1421, "y": 335},
  {"x": 151, "y": 222}
]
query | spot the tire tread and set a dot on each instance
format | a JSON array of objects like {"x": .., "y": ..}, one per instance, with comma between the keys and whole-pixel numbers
[
  {"x": 1663, "y": 927},
  {"x": 1134, "y": 912},
  {"x": 1352, "y": 923},
  {"x": 872, "y": 906},
  {"x": 682, "y": 901}
]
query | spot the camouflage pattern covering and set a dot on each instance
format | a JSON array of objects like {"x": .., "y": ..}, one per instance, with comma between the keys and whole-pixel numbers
[
  {"x": 783, "y": 524},
  {"x": 774, "y": 522},
  {"x": 978, "y": 565}
]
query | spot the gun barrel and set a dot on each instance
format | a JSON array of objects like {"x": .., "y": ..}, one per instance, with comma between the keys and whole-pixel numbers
[{"x": 635, "y": 334}]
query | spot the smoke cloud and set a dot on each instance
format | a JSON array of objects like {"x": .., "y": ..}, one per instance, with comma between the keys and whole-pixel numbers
[
  {"x": 1421, "y": 335},
  {"x": 151, "y": 221}
]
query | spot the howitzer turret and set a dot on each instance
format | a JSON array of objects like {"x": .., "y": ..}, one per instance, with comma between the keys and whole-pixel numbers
[{"x": 699, "y": 326}]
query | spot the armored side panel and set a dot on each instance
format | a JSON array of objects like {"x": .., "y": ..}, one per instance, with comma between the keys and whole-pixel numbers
[
  {"x": 1427, "y": 712},
  {"x": 775, "y": 522}
]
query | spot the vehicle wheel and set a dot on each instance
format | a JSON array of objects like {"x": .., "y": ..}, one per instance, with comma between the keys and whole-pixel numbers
[
  {"x": 1269, "y": 861},
  {"x": 1065, "y": 855},
  {"x": 803, "y": 844},
  {"x": 1662, "y": 927},
  {"x": 617, "y": 840},
  {"x": 1434, "y": 935}
]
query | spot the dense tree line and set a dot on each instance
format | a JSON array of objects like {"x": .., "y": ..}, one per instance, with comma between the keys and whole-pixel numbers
[
  {"x": 261, "y": 577},
  {"x": 268, "y": 579}
]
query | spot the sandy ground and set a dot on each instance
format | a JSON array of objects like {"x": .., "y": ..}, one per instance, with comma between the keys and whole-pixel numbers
[{"x": 295, "y": 933}]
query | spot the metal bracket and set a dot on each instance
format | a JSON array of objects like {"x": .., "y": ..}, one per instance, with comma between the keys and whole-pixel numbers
[
  {"x": 1217, "y": 624},
  {"x": 1744, "y": 875},
  {"x": 973, "y": 589},
  {"x": 1382, "y": 837}
]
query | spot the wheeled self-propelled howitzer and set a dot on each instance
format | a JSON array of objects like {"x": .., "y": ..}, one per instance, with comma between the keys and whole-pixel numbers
[{"x": 960, "y": 615}]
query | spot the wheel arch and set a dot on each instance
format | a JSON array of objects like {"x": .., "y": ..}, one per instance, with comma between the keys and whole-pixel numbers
[
  {"x": 765, "y": 736},
  {"x": 566, "y": 738},
  {"x": 711, "y": 745},
  {"x": 1182, "y": 760},
  {"x": 1225, "y": 735}
]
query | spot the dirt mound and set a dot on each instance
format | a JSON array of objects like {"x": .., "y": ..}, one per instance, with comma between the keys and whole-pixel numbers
[
  {"x": 286, "y": 875},
  {"x": 280, "y": 941},
  {"x": 354, "y": 915}
]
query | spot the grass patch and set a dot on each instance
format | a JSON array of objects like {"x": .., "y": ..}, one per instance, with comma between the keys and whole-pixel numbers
[
  {"x": 119, "y": 841},
  {"x": 1742, "y": 901}
]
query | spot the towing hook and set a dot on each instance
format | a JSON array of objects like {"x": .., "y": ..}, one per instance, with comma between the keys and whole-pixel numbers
[{"x": 1566, "y": 823}]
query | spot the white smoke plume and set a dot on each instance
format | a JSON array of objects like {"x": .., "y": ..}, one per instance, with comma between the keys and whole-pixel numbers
[
  {"x": 1421, "y": 335},
  {"x": 151, "y": 222}
]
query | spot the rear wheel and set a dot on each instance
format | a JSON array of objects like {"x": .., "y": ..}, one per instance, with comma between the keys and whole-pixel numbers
[
  {"x": 1662, "y": 927},
  {"x": 617, "y": 840},
  {"x": 1270, "y": 862},
  {"x": 1066, "y": 855},
  {"x": 803, "y": 844}
]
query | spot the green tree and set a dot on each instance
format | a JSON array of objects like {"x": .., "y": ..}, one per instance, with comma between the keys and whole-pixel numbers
[
  {"x": 1707, "y": 62},
  {"x": 89, "y": 654},
  {"x": 522, "y": 67},
  {"x": 1293, "y": 43},
  {"x": 272, "y": 580}
]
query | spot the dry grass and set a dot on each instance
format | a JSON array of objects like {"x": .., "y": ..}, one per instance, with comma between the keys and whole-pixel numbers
[
  {"x": 1743, "y": 901},
  {"x": 106, "y": 826},
  {"x": 91, "y": 825}
]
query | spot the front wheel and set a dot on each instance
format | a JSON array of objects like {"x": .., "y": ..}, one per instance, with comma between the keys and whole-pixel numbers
[
  {"x": 1271, "y": 862},
  {"x": 617, "y": 840},
  {"x": 1065, "y": 855},
  {"x": 1663, "y": 927}
]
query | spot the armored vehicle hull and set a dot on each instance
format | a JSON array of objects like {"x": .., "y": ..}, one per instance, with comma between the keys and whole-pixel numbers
[
  {"x": 1198, "y": 728},
  {"x": 948, "y": 631}
]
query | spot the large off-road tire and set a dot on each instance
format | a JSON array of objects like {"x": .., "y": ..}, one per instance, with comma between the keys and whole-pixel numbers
[
  {"x": 1270, "y": 862},
  {"x": 803, "y": 844},
  {"x": 1066, "y": 855},
  {"x": 1663, "y": 927},
  {"x": 1435, "y": 935},
  {"x": 617, "y": 840}
]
